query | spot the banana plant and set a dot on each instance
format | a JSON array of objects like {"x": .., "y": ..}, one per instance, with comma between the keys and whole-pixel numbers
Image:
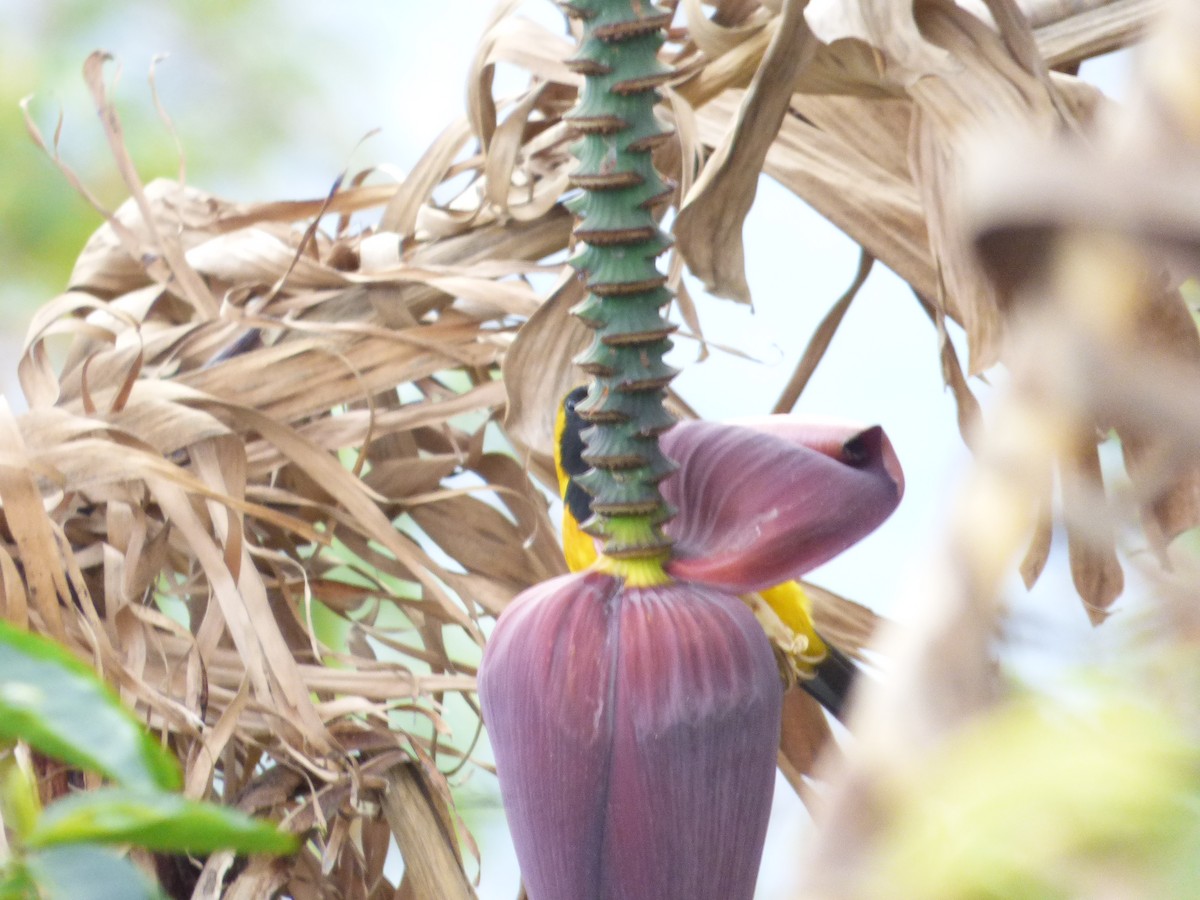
[{"x": 634, "y": 708}]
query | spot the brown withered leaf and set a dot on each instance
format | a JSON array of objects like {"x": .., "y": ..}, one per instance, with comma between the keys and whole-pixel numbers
[
  {"x": 1094, "y": 566},
  {"x": 32, "y": 533},
  {"x": 1039, "y": 545},
  {"x": 804, "y": 737},
  {"x": 890, "y": 29},
  {"x": 742, "y": 52},
  {"x": 850, "y": 626},
  {"x": 1091, "y": 28},
  {"x": 482, "y": 539},
  {"x": 539, "y": 368},
  {"x": 708, "y": 228},
  {"x": 821, "y": 338},
  {"x": 876, "y": 208},
  {"x": 726, "y": 30},
  {"x": 990, "y": 91},
  {"x": 166, "y": 244},
  {"x": 422, "y": 823},
  {"x": 528, "y": 507},
  {"x": 263, "y": 877},
  {"x": 400, "y": 214},
  {"x": 1165, "y": 474},
  {"x": 953, "y": 376},
  {"x": 109, "y": 263},
  {"x": 1131, "y": 182}
]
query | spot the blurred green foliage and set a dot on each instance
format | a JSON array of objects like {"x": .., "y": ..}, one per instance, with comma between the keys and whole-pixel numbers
[
  {"x": 1042, "y": 798},
  {"x": 234, "y": 85},
  {"x": 53, "y": 704}
]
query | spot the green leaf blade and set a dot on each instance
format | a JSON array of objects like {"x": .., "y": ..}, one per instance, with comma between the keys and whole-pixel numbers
[
  {"x": 84, "y": 872},
  {"x": 59, "y": 707},
  {"x": 156, "y": 821}
]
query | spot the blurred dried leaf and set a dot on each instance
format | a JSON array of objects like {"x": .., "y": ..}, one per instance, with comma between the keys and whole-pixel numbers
[
  {"x": 1094, "y": 565},
  {"x": 851, "y": 626},
  {"x": 1078, "y": 240}
]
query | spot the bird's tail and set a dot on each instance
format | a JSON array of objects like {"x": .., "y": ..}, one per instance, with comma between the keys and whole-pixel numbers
[{"x": 832, "y": 681}]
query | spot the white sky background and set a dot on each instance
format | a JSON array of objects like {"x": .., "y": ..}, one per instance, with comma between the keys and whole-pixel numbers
[{"x": 402, "y": 67}]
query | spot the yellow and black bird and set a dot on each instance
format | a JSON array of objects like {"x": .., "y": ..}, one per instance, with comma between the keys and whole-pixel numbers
[{"x": 822, "y": 670}]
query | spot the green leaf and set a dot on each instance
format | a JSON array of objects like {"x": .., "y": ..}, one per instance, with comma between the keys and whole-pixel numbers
[
  {"x": 16, "y": 882},
  {"x": 59, "y": 707},
  {"x": 85, "y": 872},
  {"x": 19, "y": 803},
  {"x": 156, "y": 821},
  {"x": 1045, "y": 800}
]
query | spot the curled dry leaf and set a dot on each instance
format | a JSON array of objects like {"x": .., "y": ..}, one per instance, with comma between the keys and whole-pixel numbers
[
  {"x": 709, "y": 225},
  {"x": 539, "y": 368}
]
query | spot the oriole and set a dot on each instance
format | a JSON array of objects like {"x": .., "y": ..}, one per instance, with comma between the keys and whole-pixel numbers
[{"x": 821, "y": 669}]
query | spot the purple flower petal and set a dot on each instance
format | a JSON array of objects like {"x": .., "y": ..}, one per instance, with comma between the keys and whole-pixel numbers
[
  {"x": 635, "y": 734},
  {"x": 764, "y": 502}
]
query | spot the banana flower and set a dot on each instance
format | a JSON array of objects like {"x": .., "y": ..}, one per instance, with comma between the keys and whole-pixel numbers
[{"x": 635, "y": 721}]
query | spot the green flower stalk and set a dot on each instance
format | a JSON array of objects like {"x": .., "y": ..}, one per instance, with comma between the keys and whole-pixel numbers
[{"x": 627, "y": 292}]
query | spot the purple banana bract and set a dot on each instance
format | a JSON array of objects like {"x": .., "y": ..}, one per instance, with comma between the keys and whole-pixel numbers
[
  {"x": 635, "y": 733},
  {"x": 635, "y": 729},
  {"x": 765, "y": 502}
]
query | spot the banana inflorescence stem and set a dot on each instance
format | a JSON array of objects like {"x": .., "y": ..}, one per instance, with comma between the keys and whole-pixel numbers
[{"x": 621, "y": 241}]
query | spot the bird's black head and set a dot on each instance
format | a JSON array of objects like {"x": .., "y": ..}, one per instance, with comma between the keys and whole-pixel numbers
[{"x": 570, "y": 449}]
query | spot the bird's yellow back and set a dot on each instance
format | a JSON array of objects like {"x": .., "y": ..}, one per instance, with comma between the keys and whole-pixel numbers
[{"x": 579, "y": 548}]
